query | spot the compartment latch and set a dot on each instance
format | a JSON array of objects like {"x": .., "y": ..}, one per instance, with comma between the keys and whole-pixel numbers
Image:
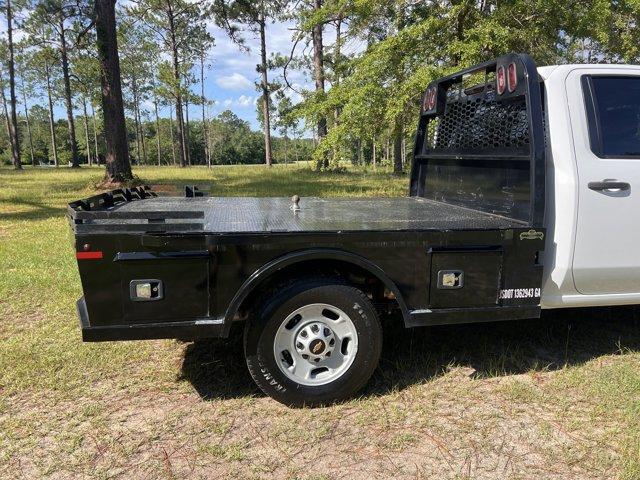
[
  {"x": 146, "y": 290},
  {"x": 450, "y": 279}
]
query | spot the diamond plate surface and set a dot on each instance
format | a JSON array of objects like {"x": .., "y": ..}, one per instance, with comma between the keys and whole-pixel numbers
[{"x": 268, "y": 214}]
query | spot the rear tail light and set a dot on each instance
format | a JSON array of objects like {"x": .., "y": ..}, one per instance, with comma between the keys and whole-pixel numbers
[
  {"x": 429, "y": 99},
  {"x": 512, "y": 79},
  {"x": 501, "y": 80}
]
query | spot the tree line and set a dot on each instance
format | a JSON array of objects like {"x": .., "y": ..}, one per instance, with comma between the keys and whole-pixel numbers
[{"x": 114, "y": 67}]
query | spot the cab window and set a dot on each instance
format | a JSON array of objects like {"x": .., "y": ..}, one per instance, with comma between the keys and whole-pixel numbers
[{"x": 613, "y": 112}]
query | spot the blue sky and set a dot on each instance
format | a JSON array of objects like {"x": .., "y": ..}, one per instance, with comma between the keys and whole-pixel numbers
[
  {"x": 231, "y": 78},
  {"x": 230, "y": 81}
]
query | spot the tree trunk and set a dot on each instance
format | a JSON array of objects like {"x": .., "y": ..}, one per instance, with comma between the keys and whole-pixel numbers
[
  {"x": 155, "y": 107},
  {"x": 52, "y": 125},
  {"x": 336, "y": 62},
  {"x": 176, "y": 77},
  {"x": 264, "y": 85},
  {"x": 397, "y": 129},
  {"x": 86, "y": 129},
  {"x": 205, "y": 133},
  {"x": 136, "y": 126},
  {"x": 318, "y": 74},
  {"x": 118, "y": 168},
  {"x": 173, "y": 143},
  {"x": 15, "y": 139},
  {"x": 34, "y": 162},
  {"x": 208, "y": 143},
  {"x": 143, "y": 142},
  {"x": 95, "y": 134},
  {"x": 286, "y": 159},
  {"x": 397, "y": 147},
  {"x": 373, "y": 153},
  {"x": 75, "y": 161},
  {"x": 187, "y": 142},
  {"x": 5, "y": 110}
]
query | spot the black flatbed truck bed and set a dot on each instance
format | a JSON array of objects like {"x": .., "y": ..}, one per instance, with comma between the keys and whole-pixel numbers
[{"x": 465, "y": 246}]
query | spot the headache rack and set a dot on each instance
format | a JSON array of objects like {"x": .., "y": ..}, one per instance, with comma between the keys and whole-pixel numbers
[
  {"x": 480, "y": 141},
  {"x": 101, "y": 214}
]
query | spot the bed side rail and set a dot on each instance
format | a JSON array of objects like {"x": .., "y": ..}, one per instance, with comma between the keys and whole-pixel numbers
[{"x": 101, "y": 214}]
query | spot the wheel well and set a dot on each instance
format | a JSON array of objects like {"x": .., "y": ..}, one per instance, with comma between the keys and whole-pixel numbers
[{"x": 383, "y": 298}]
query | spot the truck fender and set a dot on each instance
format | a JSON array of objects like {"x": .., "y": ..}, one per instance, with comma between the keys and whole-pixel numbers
[{"x": 264, "y": 272}]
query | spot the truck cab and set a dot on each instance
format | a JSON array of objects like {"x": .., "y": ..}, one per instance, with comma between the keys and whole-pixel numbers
[{"x": 592, "y": 126}]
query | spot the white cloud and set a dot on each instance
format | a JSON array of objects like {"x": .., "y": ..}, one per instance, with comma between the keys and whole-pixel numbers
[
  {"x": 244, "y": 101},
  {"x": 234, "y": 81}
]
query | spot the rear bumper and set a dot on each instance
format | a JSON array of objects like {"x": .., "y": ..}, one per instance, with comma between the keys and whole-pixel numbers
[{"x": 187, "y": 330}]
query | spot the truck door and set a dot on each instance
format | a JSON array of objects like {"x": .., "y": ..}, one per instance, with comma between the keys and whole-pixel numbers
[{"x": 604, "y": 106}]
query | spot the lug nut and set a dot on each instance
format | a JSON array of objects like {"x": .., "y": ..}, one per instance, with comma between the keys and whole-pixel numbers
[
  {"x": 303, "y": 333},
  {"x": 314, "y": 328},
  {"x": 316, "y": 360},
  {"x": 305, "y": 356},
  {"x": 299, "y": 346},
  {"x": 332, "y": 342},
  {"x": 327, "y": 332}
]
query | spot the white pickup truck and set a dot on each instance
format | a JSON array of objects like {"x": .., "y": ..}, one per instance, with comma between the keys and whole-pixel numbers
[{"x": 592, "y": 123}]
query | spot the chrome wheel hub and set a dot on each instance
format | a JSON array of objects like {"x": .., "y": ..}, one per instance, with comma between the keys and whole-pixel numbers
[{"x": 315, "y": 344}]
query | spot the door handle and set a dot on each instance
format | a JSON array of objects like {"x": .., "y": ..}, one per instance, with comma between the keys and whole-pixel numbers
[{"x": 600, "y": 186}]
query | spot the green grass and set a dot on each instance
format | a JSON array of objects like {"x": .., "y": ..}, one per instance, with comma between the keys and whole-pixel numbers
[{"x": 552, "y": 398}]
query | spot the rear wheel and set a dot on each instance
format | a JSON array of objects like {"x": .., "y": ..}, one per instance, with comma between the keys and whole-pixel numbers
[{"x": 314, "y": 343}]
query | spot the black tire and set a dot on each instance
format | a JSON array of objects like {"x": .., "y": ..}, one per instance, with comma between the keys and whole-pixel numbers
[{"x": 260, "y": 333}]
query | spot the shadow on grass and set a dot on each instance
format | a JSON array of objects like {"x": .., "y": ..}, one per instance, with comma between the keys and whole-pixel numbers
[
  {"x": 560, "y": 338},
  {"x": 216, "y": 368},
  {"x": 36, "y": 211}
]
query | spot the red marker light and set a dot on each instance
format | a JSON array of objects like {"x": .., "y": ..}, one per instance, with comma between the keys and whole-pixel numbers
[
  {"x": 429, "y": 102},
  {"x": 88, "y": 255},
  {"x": 501, "y": 81},
  {"x": 513, "y": 77},
  {"x": 432, "y": 98}
]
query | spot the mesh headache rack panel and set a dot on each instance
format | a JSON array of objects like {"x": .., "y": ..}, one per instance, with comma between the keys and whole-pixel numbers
[
  {"x": 101, "y": 214},
  {"x": 475, "y": 125},
  {"x": 482, "y": 146}
]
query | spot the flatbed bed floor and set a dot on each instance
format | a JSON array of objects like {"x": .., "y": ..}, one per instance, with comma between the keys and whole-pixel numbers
[{"x": 274, "y": 214}]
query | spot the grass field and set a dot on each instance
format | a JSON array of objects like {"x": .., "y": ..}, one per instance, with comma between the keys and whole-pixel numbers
[{"x": 552, "y": 398}]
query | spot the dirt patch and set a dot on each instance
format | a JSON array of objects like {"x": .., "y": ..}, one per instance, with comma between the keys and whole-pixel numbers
[
  {"x": 453, "y": 427},
  {"x": 107, "y": 184},
  {"x": 167, "y": 189}
]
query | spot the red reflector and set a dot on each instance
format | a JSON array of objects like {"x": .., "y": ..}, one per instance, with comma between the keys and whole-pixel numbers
[
  {"x": 502, "y": 81},
  {"x": 513, "y": 77},
  {"x": 88, "y": 255},
  {"x": 431, "y": 98}
]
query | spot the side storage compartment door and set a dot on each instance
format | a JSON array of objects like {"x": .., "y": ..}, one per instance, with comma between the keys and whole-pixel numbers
[
  {"x": 465, "y": 278},
  {"x": 166, "y": 280}
]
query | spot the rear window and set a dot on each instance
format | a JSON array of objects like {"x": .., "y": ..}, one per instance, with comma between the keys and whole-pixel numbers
[{"x": 613, "y": 107}]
